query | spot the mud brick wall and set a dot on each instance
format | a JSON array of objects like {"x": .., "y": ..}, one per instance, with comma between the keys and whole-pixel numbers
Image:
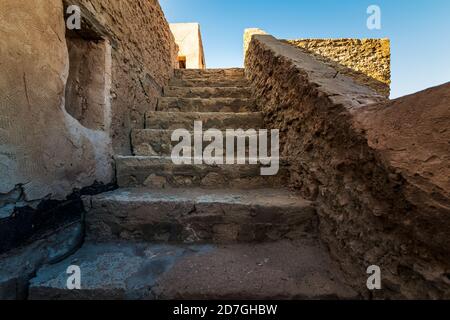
[
  {"x": 367, "y": 61},
  {"x": 377, "y": 169}
]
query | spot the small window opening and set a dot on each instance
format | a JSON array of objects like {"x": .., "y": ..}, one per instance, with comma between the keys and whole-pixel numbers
[{"x": 182, "y": 62}]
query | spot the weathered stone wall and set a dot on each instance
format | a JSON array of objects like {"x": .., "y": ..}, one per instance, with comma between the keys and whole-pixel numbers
[
  {"x": 378, "y": 170},
  {"x": 188, "y": 37},
  {"x": 367, "y": 61},
  {"x": 45, "y": 153},
  {"x": 143, "y": 56}
]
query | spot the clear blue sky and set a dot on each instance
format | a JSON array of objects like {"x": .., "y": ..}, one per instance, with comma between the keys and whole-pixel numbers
[{"x": 419, "y": 30}]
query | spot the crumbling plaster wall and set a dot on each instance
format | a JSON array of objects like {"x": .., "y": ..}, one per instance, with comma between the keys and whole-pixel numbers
[{"x": 377, "y": 169}]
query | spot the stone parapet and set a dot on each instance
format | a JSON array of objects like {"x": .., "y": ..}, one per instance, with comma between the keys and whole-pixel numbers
[{"x": 377, "y": 169}]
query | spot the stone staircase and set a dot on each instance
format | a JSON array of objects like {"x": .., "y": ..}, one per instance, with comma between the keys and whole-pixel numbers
[{"x": 197, "y": 231}]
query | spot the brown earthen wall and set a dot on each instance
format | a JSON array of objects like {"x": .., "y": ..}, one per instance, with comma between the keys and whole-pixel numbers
[
  {"x": 378, "y": 170},
  {"x": 367, "y": 61}
]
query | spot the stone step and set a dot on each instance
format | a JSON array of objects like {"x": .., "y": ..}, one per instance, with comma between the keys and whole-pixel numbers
[
  {"x": 161, "y": 172},
  {"x": 205, "y": 82},
  {"x": 155, "y": 142},
  {"x": 207, "y": 92},
  {"x": 193, "y": 215},
  {"x": 209, "y": 73},
  {"x": 216, "y": 120},
  {"x": 284, "y": 270},
  {"x": 172, "y": 104}
]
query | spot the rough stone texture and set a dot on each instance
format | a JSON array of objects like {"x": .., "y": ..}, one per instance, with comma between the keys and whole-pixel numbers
[
  {"x": 230, "y": 73},
  {"x": 42, "y": 148},
  {"x": 205, "y": 82},
  {"x": 199, "y": 215},
  {"x": 367, "y": 61},
  {"x": 281, "y": 270},
  {"x": 151, "y": 166},
  {"x": 142, "y": 171},
  {"x": 151, "y": 142},
  {"x": 207, "y": 92},
  {"x": 210, "y": 120},
  {"x": 144, "y": 56},
  {"x": 19, "y": 266},
  {"x": 171, "y": 104},
  {"x": 378, "y": 170},
  {"x": 411, "y": 135}
]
